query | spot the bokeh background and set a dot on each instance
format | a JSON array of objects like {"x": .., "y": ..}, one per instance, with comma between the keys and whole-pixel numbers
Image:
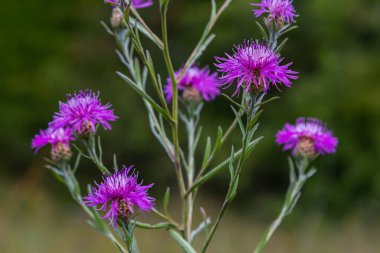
[{"x": 50, "y": 48}]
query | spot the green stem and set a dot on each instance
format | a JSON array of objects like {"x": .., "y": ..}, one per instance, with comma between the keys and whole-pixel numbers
[
  {"x": 175, "y": 131},
  {"x": 191, "y": 126},
  {"x": 229, "y": 195},
  {"x": 292, "y": 195}
]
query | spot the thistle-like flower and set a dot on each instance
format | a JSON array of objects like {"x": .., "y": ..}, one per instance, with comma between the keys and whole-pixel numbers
[
  {"x": 59, "y": 140},
  {"x": 120, "y": 195},
  {"x": 196, "y": 84},
  {"x": 82, "y": 112},
  {"x": 138, "y": 4},
  {"x": 279, "y": 11},
  {"x": 307, "y": 137},
  {"x": 255, "y": 66}
]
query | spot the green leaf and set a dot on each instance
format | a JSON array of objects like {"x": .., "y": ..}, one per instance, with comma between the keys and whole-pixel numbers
[
  {"x": 166, "y": 201},
  {"x": 219, "y": 138},
  {"x": 161, "y": 225},
  {"x": 77, "y": 162},
  {"x": 292, "y": 171},
  {"x": 231, "y": 163},
  {"x": 207, "y": 152},
  {"x": 281, "y": 46},
  {"x": 254, "y": 119},
  {"x": 240, "y": 122},
  {"x": 267, "y": 101},
  {"x": 142, "y": 93},
  {"x": 289, "y": 29},
  {"x": 233, "y": 102},
  {"x": 234, "y": 187},
  {"x": 115, "y": 165},
  {"x": 182, "y": 242},
  {"x": 262, "y": 30}
]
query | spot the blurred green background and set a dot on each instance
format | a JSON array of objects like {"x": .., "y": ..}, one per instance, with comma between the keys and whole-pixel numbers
[{"x": 50, "y": 48}]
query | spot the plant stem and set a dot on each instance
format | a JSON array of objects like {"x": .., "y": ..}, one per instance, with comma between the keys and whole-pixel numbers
[
  {"x": 191, "y": 126},
  {"x": 175, "y": 130},
  {"x": 292, "y": 195},
  {"x": 230, "y": 194}
]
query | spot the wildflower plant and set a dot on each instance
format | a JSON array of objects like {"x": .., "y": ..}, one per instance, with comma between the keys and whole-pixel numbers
[{"x": 254, "y": 68}]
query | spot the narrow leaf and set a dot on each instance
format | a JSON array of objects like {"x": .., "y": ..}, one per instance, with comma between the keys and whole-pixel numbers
[
  {"x": 166, "y": 201},
  {"x": 207, "y": 152},
  {"x": 219, "y": 138},
  {"x": 281, "y": 46},
  {"x": 184, "y": 244},
  {"x": 262, "y": 30},
  {"x": 233, "y": 102},
  {"x": 142, "y": 93}
]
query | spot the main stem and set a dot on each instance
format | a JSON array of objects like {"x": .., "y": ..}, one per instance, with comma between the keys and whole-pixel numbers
[
  {"x": 189, "y": 200},
  {"x": 175, "y": 131}
]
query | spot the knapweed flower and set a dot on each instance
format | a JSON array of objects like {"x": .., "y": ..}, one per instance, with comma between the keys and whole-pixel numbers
[
  {"x": 280, "y": 11},
  {"x": 138, "y": 4},
  {"x": 59, "y": 140},
  {"x": 307, "y": 137},
  {"x": 255, "y": 66},
  {"x": 120, "y": 195},
  {"x": 196, "y": 84},
  {"x": 82, "y": 112}
]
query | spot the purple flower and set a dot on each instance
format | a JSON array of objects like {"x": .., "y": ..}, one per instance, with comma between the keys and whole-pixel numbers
[
  {"x": 278, "y": 10},
  {"x": 307, "y": 137},
  {"x": 82, "y": 112},
  {"x": 196, "y": 84},
  {"x": 120, "y": 195},
  {"x": 138, "y": 4},
  {"x": 59, "y": 140},
  {"x": 254, "y": 66}
]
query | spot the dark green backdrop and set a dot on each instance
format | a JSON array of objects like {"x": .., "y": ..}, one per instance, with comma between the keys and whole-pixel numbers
[{"x": 50, "y": 48}]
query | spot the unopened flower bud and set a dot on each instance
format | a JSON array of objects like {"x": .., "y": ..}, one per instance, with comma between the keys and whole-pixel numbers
[
  {"x": 191, "y": 94},
  {"x": 116, "y": 18},
  {"x": 60, "y": 151}
]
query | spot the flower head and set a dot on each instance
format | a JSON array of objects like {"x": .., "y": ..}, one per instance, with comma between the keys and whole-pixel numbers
[
  {"x": 120, "y": 195},
  {"x": 59, "y": 140},
  {"x": 279, "y": 11},
  {"x": 82, "y": 112},
  {"x": 254, "y": 66},
  {"x": 196, "y": 84},
  {"x": 138, "y": 4},
  {"x": 307, "y": 137}
]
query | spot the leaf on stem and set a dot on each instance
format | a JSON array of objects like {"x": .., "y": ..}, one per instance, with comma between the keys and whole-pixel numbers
[
  {"x": 262, "y": 30},
  {"x": 142, "y": 93},
  {"x": 281, "y": 46},
  {"x": 219, "y": 139},
  {"x": 233, "y": 102},
  {"x": 166, "y": 201},
  {"x": 182, "y": 242},
  {"x": 292, "y": 171},
  {"x": 240, "y": 122},
  {"x": 207, "y": 152}
]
